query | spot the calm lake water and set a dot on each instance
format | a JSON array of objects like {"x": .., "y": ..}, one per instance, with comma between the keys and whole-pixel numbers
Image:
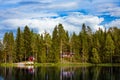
[{"x": 60, "y": 73}]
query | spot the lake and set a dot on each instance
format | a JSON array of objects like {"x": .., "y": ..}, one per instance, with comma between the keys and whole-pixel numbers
[{"x": 60, "y": 73}]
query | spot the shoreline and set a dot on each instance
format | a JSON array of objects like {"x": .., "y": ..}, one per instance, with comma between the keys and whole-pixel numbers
[{"x": 57, "y": 64}]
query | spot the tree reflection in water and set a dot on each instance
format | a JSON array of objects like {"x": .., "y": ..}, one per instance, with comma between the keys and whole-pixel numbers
[
  {"x": 1, "y": 78},
  {"x": 60, "y": 73},
  {"x": 66, "y": 73}
]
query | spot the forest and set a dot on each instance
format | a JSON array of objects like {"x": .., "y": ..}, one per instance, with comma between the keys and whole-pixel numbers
[{"x": 101, "y": 46}]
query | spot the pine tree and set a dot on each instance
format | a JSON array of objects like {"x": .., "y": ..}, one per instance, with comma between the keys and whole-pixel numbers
[
  {"x": 100, "y": 36},
  {"x": 95, "y": 57},
  {"x": 27, "y": 42},
  {"x": 89, "y": 40},
  {"x": 61, "y": 36},
  {"x": 109, "y": 49},
  {"x": 37, "y": 48},
  {"x": 19, "y": 55},
  {"x": 35, "y": 45},
  {"x": 48, "y": 42},
  {"x": 66, "y": 46},
  {"x": 84, "y": 41},
  {"x": 75, "y": 46},
  {"x": 11, "y": 47},
  {"x": 42, "y": 54},
  {"x": 55, "y": 46},
  {"x": 115, "y": 34},
  {"x": 1, "y": 51},
  {"x": 62, "y": 39},
  {"x": 6, "y": 49},
  {"x": 8, "y": 43}
]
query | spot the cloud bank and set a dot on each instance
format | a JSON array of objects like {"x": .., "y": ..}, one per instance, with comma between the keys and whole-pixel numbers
[
  {"x": 46, "y": 14},
  {"x": 72, "y": 22}
]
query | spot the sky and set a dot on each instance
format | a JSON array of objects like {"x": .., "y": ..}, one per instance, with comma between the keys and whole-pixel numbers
[{"x": 44, "y": 15}]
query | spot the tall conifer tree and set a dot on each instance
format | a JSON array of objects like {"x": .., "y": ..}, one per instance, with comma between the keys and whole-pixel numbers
[
  {"x": 109, "y": 49},
  {"x": 27, "y": 42},
  {"x": 55, "y": 46}
]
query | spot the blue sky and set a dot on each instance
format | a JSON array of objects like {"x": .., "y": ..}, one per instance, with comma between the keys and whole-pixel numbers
[{"x": 44, "y": 15}]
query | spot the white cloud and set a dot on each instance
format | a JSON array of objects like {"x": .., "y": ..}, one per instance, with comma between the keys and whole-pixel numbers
[
  {"x": 36, "y": 9},
  {"x": 114, "y": 23},
  {"x": 17, "y": 1},
  {"x": 72, "y": 22},
  {"x": 89, "y": 20},
  {"x": 103, "y": 8},
  {"x": 15, "y": 13},
  {"x": 64, "y": 5},
  {"x": 9, "y": 1},
  {"x": 115, "y": 11},
  {"x": 39, "y": 14}
]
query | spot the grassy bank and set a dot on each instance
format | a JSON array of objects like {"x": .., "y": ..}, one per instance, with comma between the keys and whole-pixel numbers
[
  {"x": 7, "y": 64},
  {"x": 48, "y": 64},
  {"x": 108, "y": 64},
  {"x": 62, "y": 64}
]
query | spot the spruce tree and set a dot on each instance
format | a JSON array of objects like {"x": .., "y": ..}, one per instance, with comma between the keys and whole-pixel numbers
[
  {"x": 6, "y": 47},
  {"x": 84, "y": 41},
  {"x": 8, "y": 43},
  {"x": 75, "y": 46},
  {"x": 42, "y": 54},
  {"x": 115, "y": 34},
  {"x": 47, "y": 43},
  {"x": 11, "y": 47},
  {"x": 35, "y": 45},
  {"x": 18, "y": 47},
  {"x": 55, "y": 46},
  {"x": 62, "y": 39},
  {"x": 1, "y": 51},
  {"x": 109, "y": 49},
  {"x": 27, "y": 42},
  {"x": 101, "y": 39},
  {"x": 95, "y": 57}
]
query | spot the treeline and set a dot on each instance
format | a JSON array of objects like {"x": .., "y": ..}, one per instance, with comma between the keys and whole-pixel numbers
[{"x": 87, "y": 46}]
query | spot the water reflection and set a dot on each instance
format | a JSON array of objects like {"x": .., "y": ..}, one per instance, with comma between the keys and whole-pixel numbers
[
  {"x": 59, "y": 73},
  {"x": 31, "y": 69},
  {"x": 67, "y": 73},
  {"x": 1, "y": 78}
]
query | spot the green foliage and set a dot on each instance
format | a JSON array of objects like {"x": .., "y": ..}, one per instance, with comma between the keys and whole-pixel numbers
[
  {"x": 100, "y": 46},
  {"x": 55, "y": 46},
  {"x": 75, "y": 46},
  {"x": 27, "y": 42},
  {"x": 95, "y": 57},
  {"x": 47, "y": 44},
  {"x": 19, "y": 46},
  {"x": 42, "y": 52},
  {"x": 109, "y": 49},
  {"x": 84, "y": 43},
  {"x": 11, "y": 47},
  {"x": 115, "y": 35},
  {"x": 1, "y": 51},
  {"x": 8, "y": 43}
]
